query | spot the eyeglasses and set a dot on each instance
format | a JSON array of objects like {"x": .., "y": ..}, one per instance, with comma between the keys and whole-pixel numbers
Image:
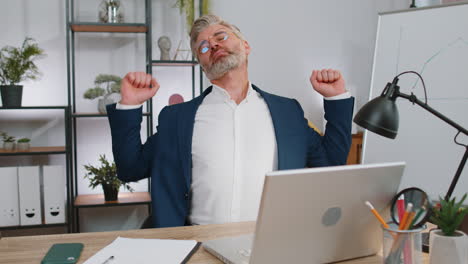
[{"x": 218, "y": 37}]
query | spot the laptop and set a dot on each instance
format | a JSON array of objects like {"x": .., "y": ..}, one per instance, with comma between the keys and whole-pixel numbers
[{"x": 316, "y": 215}]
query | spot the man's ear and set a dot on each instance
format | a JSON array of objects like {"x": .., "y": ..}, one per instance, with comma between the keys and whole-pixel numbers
[{"x": 247, "y": 47}]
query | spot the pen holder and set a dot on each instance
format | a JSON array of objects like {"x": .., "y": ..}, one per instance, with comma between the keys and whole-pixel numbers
[{"x": 402, "y": 246}]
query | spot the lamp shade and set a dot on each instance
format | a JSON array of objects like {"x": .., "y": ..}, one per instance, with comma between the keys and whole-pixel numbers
[{"x": 379, "y": 116}]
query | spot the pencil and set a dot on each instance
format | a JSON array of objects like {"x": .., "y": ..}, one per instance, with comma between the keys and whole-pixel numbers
[
  {"x": 377, "y": 215},
  {"x": 404, "y": 220}
]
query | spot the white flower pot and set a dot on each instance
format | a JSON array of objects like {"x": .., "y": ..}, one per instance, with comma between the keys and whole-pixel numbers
[
  {"x": 22, "y": 146},
  {"x": 448, "y": 249},
  {"x": 108, "y": 99},
  {"x": 8, "y": 146}
]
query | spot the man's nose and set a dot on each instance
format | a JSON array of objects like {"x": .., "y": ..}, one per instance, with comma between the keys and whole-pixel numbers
[{"x": 213, "y": 44}]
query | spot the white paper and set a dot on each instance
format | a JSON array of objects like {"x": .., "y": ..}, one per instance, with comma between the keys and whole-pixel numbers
[{"x": 137, "y": 250}]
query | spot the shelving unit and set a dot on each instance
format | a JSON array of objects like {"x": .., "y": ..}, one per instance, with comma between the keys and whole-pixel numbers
[
  {"x": 173, "y": 63},
  {"x": 78, "y": 115},
  {"x": 110, "y": 28},
  {"x": 34, "y": 151},
  {"x": 355, "y": 152},
  {"x": 76, "y": 27},
  {"x": 125, "y": 199},
  {"x": 97, "y": 200},
  {"x": 49, "y": 150},
  {"x": 180, "y": 63}
]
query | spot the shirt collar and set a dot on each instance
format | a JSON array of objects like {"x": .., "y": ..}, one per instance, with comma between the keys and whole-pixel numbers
[{"x": 222, "y": 93}]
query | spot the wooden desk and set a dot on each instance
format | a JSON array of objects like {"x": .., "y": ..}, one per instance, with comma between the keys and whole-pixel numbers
[{"x": 31, "y": 249}]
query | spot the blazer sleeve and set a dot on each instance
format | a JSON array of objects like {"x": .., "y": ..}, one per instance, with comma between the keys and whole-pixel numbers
[
  {"x": 332, "y": 148},
  {"x": 132, "y": 158}
]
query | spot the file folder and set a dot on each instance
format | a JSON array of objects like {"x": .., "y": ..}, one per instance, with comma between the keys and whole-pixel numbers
[
  {"x": 29, "y": 195},
  {"x": 9, "y": 204},
  {"x": 54, "y": 194}
]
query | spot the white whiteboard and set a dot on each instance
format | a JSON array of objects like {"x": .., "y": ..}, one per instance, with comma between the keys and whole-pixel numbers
[{"x": 433, "y": 42}]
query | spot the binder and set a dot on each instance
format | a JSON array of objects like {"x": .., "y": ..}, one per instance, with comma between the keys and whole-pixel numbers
[
  {"x": 54, "y": 194},
  {"x": 9, "y": 204},
  {"x": 29, "y": 195}
]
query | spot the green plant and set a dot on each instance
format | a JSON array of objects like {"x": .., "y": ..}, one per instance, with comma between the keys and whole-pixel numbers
[
  {"x": 6, "y": 137},
  {"x": 23, "y": 140},
  {"x": 111, "y": 82},
  {"x": 187, "y": 7},
  {"x": 449, "y": 215},
  {"x": 17, "y": 64},
  {"x": 106, "y": 174}
]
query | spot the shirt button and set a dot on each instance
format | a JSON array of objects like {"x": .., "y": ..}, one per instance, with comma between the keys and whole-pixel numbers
[{"x": 186, "y": 196}]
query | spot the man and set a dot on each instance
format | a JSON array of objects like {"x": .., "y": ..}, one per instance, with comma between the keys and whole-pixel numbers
[{"x": 209, "y": 156}]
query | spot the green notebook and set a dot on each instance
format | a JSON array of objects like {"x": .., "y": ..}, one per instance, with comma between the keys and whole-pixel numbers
[{"x": 63, "y": 253}]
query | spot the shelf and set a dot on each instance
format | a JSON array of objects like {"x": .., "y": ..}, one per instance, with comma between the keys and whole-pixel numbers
[
  {"x": 33, "y": 107},
  {"x": 77, "y": 115},
  {"x": 97, "y": 200},
  {"x": 173, "y": 63},
  {"x": 110, "y": 28},
  {"x": 43, "y": 225},
  {"x": 34, "y": 151},
  {"x": 355, "y": 151}
]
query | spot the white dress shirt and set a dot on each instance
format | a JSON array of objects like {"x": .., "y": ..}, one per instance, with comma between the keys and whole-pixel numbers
[{"x": 233, "y": 146}]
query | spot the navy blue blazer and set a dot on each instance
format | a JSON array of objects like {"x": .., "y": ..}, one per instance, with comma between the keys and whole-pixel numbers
[{"x": 166, "y": 156}]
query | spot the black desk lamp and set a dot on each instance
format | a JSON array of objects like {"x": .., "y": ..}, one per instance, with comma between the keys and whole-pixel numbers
[{"x": 381, "y": 116}]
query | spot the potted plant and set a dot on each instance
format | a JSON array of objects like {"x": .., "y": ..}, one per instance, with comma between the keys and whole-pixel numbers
[
  {"x": 106, "y": 176},
  {"x": 17, "y": 65},
  {"x": 187, "y": 7},
  {"x": 8, "y": 141},
  {"x": 23, "y": 144},
  {"x": 108, "y": 88},
  {"x": 187, "y": 11},
  {"x": 447, "y": 244}
]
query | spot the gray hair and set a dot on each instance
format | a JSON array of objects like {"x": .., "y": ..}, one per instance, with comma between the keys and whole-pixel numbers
[{"x": 205, "y": 21}]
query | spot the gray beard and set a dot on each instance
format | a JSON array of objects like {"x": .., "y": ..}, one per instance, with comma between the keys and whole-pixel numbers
[{"x": 220, "y": 68}]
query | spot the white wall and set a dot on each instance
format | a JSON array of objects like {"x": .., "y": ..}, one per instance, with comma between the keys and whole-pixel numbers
[
  {"x": 45, "y": 22},
  {"x": 288, "y": 40}
]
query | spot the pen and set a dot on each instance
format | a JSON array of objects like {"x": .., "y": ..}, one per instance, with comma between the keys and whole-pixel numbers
[
  {"x": 404, "y": 220},
  {"x": 407, "y": 257},
  {"x": 400, "y": 208},
  {"x": 409, "y": 221},
  {"x": 418, "y": 215},
  {"x": 377, "y": 214},
  {"x": 108, "y": 260}
]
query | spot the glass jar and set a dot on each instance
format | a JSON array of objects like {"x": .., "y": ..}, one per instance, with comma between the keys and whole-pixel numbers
[{"x": 111, "y": 11}]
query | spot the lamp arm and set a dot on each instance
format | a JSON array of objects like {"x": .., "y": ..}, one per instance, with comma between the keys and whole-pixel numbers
[
  {"x": 457, "y": 175},
  {"x": 412, "y": 98}
]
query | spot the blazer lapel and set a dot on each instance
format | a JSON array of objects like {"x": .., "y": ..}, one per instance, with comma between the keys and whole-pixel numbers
[
  {"x": 186, "y": 121},
  {"x": 279, "y": 123}
]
